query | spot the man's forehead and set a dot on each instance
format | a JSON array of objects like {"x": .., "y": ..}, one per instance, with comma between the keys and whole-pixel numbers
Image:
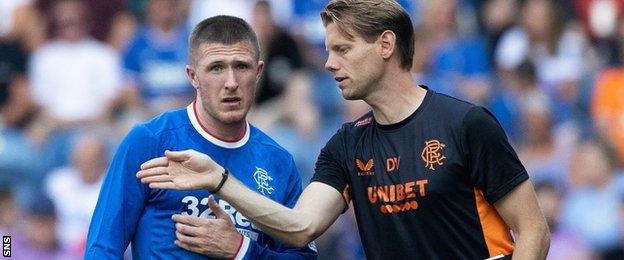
[
  {"x": 239, "y": 49},
  {"x": 334, "y": 36}
]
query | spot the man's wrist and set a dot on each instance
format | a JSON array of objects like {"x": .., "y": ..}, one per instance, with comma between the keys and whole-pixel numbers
[
  {"x": 210, "y": 179},
  {"x": 219, "y": 180},
  {"x": 242, "y": 248}
]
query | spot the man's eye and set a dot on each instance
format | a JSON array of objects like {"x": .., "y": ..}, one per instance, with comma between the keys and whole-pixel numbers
[
  {"x": 242, "y": 66},
  {"x": 216, "y": 68}
]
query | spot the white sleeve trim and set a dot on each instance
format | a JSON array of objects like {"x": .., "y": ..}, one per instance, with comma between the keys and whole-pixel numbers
[{"x": 242, "y": 251}]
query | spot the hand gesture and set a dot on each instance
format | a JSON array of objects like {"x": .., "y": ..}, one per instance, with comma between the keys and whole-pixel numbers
[
  {"x": 216, "y": 238},
  {"x": 183, "y": 170}
]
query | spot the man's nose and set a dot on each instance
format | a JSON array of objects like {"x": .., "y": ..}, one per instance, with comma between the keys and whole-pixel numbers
[
  {"x": 231, "y": 83},
  {"x": 330, "y": 64}
]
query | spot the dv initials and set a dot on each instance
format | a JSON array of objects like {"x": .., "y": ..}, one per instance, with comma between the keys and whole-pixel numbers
[{"x": 392, "y": 163}]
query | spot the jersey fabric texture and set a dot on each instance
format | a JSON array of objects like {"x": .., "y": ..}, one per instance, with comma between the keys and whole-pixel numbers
[
  {"x": 423, "y": 188},
  {"x": 130, "y": 212}
]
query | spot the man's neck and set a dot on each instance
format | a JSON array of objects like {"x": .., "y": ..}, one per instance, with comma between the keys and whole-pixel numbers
[
  {"x": 397, "y": 97},
  {"x": 226, "y": 132}
]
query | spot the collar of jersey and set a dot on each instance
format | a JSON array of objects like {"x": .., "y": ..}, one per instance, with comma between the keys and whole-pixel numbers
[
  {"x": 216, "y": 141},
  {"x": 411, "y": 117}
]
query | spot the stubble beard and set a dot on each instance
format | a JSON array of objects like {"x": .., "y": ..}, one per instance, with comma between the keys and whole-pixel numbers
[{"x": 224, "y": 117}]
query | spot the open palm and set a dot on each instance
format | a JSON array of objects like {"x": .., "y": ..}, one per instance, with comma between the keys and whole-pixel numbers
[{"x": 184, "y": 170}]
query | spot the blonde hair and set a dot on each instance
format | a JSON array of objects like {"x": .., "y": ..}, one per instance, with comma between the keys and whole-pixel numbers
[{"x": 369, "y": 19}]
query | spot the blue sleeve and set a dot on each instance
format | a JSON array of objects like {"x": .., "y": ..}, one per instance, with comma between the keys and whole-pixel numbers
[
  {"x": 254, "y": 250},
  {"x": 275, "y": 249},
  {"x": 122, "y": 197}
]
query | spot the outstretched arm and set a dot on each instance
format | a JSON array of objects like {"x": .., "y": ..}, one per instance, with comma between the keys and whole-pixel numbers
[
  {"x": 218, "y": 238},
  {"x": 317, "y": 208}
]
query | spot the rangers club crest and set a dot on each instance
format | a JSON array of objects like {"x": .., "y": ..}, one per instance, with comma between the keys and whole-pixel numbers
[
  {"x": 431, "y": 154},
  {"x": 262, "y": 178}
]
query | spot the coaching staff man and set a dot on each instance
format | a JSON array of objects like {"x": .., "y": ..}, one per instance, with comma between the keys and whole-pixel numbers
[{"x": 429, "y": 176}]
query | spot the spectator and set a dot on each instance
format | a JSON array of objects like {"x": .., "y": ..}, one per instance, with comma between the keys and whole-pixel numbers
[
  {"x": 155, "y": 60},
  {"x": 83, "y": 177},
  {"x": 19, "y": 167},
  {"x": 200, "y": 9},
  {"x": 607, "y": 108},
  {"x": 545, "y": 150},
  {"x": 601, "y": 20},
  {"x": 83, "y": 71},
  {"x": 458, "y": 56},
  {"x": 88, "y": 81},
  {"x": 21, "y": 22},
  {"x": 281, "y": 54},
  {"x": 41, "y": 234},
  {"x": 557, "y": 50},
  {"x": 564, "y": 244},
  {"x": 592, "y": 206},
  {"x": 10, "y": 213}
]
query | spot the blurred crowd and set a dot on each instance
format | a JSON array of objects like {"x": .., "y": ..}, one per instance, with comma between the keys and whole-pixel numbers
[{"x": 76, "y": 75}]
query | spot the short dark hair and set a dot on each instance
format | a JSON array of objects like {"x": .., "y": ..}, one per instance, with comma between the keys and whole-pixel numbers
[
  {"x": 222, "y": 29},
  {"x": 369, "y": 18}
]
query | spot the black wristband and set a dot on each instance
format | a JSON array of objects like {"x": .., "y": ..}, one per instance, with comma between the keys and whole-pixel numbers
[{"x": 224, "y": 177}]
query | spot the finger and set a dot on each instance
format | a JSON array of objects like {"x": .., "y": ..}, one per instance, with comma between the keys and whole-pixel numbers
[
  {"x": 189, "y": 220},
  {"x": 179, "y": 156},
  {"x": 161, "y": 170},
  {"x": 190, "y": 241},
  {"x": 156, "y": 179},
  {"x": 218, "y": 211},
  {"x": 163, "y": 185},
  {"x": 156, "y": 162},
  {"x": 182, "y": 245},
  {"x": 188, "y": 230}
]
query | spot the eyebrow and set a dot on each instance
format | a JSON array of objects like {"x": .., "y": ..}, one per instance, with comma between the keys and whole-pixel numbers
[{"x": 338, "y": 46}]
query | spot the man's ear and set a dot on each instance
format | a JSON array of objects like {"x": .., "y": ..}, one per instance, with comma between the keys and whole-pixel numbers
[
  {"x": 259, "y": 71},
  {"x": 190, "y": 73},
  {"x": 387, "y": 43}
]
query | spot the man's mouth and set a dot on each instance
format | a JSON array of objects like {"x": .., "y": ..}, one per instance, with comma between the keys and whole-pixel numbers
[
  {"x": 339, "y": 79},
  {"x": 231, "y": 100}
]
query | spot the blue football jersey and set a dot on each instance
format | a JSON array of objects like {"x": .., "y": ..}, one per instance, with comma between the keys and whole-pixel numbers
[{"x": 128, "y": 211}]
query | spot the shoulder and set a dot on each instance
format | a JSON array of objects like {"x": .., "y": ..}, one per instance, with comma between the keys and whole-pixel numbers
[
  {"x": 50, "y": 48},
  {"x": 447, "y": 109},
  {"x": 260, "y": 140},
  {"x": 165, "y": 122},
  {"x": 478, "y": 118},
  {"x": 357, "y": 126},
  {"x": 101, "y": 51},
  {"x": 97, "y": 47}
]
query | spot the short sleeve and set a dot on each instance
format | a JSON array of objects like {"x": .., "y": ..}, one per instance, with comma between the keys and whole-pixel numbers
[
  {"x": 329, "y": 168},
  {"x": 493, "y": 165}
]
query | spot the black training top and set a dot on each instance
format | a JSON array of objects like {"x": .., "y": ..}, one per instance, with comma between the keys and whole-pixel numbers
[{"x": 424, "y": 187}]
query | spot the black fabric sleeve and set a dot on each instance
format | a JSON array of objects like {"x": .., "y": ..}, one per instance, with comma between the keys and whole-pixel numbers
[
  {"x": 330, "y": 168},
  {"x": 493, "y": 165}
]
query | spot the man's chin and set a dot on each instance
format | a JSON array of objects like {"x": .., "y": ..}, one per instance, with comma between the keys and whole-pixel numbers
[
  {"x": 350, "y": 96},
  {"x": 232, "y": 117}
]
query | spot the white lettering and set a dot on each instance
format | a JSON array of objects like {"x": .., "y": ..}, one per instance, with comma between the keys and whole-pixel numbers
[
  {"x": 241, "y": 220},
  {"x": 192, "y": 206},
  {"x": 238, "y": 218}
]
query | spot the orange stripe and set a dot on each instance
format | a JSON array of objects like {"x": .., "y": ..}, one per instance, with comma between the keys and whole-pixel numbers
[
  {"x": 495, "y": 231},
  {"x": 345, "y": 195}
]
